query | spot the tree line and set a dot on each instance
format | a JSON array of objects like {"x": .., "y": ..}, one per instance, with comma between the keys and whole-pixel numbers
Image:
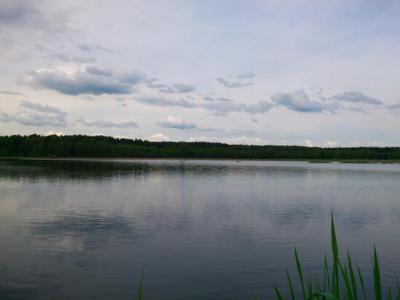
[{"x": 103, "y": 146}]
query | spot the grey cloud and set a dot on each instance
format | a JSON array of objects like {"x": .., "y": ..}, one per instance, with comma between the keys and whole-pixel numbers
[
  {"x": 222, "y": 108},
  {"x": 41, "y": 108},
  {"x": 165, "y": 89},
  {"x": 92, "y": 47},
  {"x": 98, "y": 71},
  {"x": 219, "y": 99},
  {"x": 395, "y": 106},
  {"x": 91, "y": 80},
  {"x": 177, "y": 123},
  {"x": 12, "y": 11},
  {"x": 258, "y": 108},
  {"x": 34, "y": 114},
  {"x": 232, "y": 84},
  {"x": 154, "y": 84},
  {"x": 357, "y": 109},
  {"x": 183, "y": 88},
  {"x": 34, "y": 119},
  {"x": 10, "y": 93},
  {"x": 356, "y": 97},
  {"x": 297, "y": 100},
  {"x": 300, "y": 101},
  {"x": 160, "y": 101},
  {"x": 133, "y": 78},
  {"x": 88, "y": 98},
  {"x": 219, "y": 107},
  {"x": 208, "y": 98},
  {"x": 178, "y": 88},
  {"x": 246, "y": 76},
  {"x": 108, "y": 124},
  {"x": 4, "y": 117},
  {"x": 28, "y": 15},
  {"x": 120, "y": 99},
  {"x": 71, "y": 58}
]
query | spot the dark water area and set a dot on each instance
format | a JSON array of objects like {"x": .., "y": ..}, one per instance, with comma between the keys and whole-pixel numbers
[{"x": 85, "y": 229}]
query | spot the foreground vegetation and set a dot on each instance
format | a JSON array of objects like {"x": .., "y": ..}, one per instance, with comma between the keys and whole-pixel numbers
[
  {"x": 101, "y": 146},
  {"x": 342, "y": 281}
]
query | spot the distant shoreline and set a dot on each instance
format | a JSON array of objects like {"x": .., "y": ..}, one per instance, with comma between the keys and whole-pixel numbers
[
  {"x": 103, "y": 147},
  {"x": 327, "y": 161}
]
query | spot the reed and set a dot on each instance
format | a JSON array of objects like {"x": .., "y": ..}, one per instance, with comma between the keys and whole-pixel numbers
[
  {"x": 140, "y": 292},
  {"x": 343, "y": 280}
]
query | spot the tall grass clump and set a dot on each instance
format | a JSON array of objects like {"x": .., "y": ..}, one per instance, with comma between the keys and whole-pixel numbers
[
  {"x": 342, "y": 281},
  {"x": 140, "y": 292}
]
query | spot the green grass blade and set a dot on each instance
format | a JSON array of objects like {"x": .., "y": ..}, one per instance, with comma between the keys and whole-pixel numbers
[
  {"x": 341, "y": 282},
  {"x": 291, "y": 289},
  {"x": 348, "y": 292},
  {"x": 327, "y": 281},
  {"x": 398, "y": 290},
  {"x": 300, "y": 272},
  {"x": 318, "y": 286},
  {"x": 278, "y": 293},
  {"x": 335, "y": 254},
  {"x": 352, "y": 277},
  {"x": 377, "y": 277},
  {"x": 327, "y": 296},
  {"x": 140, "y": 294},
  {"x": 389, "y": 297},
  {"x": 362, "y": 283},
  {"x": 309, "y": 287}
]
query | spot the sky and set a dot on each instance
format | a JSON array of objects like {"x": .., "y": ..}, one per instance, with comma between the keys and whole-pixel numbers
[{"x": 304, "y": 72}]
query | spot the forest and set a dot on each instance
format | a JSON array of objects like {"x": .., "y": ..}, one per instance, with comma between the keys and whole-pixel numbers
[{"x": 103, "y": 146}]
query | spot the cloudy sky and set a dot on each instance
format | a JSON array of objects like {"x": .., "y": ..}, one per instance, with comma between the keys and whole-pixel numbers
[{"x": 320, "y": 73}]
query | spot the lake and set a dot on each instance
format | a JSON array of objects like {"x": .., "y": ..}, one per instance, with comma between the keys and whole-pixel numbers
[{"x": 201, "y": 229}]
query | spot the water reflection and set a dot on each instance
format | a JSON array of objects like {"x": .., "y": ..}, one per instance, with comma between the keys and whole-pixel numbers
[
  {"x": 76, "y": 231},
  {"x": 210, "y": 229},
  {"x": 104, "y": 169}
]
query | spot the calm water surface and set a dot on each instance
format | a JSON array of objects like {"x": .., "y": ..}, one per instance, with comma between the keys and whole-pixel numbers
[{"x": 202, "y": 229}]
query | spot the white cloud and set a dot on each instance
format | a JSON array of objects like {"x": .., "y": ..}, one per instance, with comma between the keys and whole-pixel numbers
[
  {"x": 52, "y": 132},
  {"x": 177, "y": 123},
  {"x": 240, "y": 140},
  {"x": 329, "y": 143},
  {"x": 158, "y": 137},
  {"x": 308, "y": 143},
  {"x": 246, "y": 140},
  {"x": 348, "y": 50}
]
